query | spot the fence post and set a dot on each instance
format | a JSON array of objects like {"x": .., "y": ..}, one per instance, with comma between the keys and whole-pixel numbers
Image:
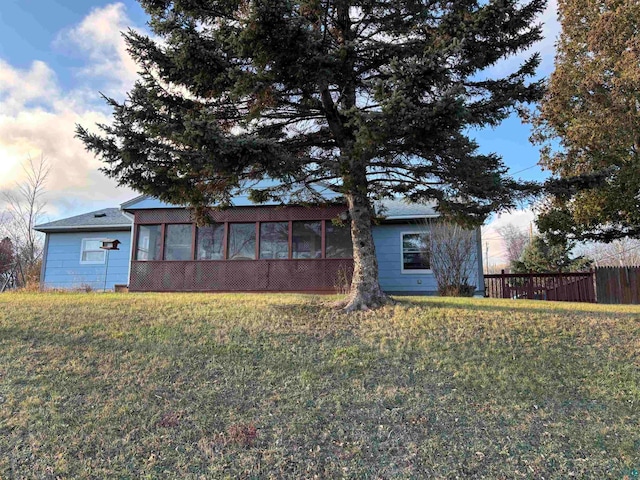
[
  {"x": 503, "y": 284},
  {"x": 530, "y": 293}
]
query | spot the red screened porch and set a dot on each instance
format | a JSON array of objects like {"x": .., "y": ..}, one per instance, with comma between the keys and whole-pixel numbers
[{"x": 260, "y": 249}]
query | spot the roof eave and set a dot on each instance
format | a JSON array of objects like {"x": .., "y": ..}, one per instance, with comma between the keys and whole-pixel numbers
[
  {"x": 126, "y": 204},
  {"x": 410, "y": 217},
  {"x": 82, "y": 228}
]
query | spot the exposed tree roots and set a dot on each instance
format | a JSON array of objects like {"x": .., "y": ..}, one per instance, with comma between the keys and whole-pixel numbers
[{"x": 364, "y": 301}]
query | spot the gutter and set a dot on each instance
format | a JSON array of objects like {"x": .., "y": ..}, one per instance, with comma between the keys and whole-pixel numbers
[
  {"x": 54, "y": 229},
  {"x": 409, "y": 217}
]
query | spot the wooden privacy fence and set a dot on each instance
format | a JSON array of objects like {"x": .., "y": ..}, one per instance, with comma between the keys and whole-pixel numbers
[
  {"x": 618, "y": 284},
  {"x": 563, "y": 287}
]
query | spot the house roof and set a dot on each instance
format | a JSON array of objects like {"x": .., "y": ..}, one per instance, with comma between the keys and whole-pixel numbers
[
  {"x": 110, "y": 219},
  {"x": 144, "y": 202},
  {"x": 401, "y": 210},
  {"x": 390, "y": 209},
  {"x": 133, "y": 201},
  {"x": 107, "y": 219}
]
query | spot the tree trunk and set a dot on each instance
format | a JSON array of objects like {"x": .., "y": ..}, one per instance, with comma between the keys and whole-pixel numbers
[{"x": 365, "y": 289}]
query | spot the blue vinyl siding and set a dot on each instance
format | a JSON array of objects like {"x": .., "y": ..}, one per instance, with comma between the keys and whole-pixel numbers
[
  {"x": 388, "y": 250},
  {"x": 64, "y": 270}
]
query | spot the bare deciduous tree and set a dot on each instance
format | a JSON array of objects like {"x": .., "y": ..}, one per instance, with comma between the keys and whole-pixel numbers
[
  {"x": 619, "y": 253},
  {"x": 453, "y": 257},
  {"x": 515, "y": 241},
  {"x": 24, "y": 209}
]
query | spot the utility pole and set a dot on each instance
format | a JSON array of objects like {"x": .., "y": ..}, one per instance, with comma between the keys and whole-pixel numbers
[{"x": 486, "y": 256}]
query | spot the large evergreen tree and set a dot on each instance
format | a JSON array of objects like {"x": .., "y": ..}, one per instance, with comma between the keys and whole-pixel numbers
[
  {"x": 589, "y": 122},
  {"x": 369, "y": 98}
]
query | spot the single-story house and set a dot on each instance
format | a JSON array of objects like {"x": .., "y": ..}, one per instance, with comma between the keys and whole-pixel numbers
[{"x": 246, "y": 248}]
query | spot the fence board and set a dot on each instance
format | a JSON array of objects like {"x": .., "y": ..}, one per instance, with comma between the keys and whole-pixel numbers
[
  {"x": 564, "y": 287},
  {"x": 618, "y": 285}
]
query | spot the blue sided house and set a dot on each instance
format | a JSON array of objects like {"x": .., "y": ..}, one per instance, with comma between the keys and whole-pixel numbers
[{"x": 266, "y": 248}]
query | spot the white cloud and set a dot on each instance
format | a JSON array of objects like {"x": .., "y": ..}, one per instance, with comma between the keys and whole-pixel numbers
[
  {"x": 99, "y": 38},
  {"x": 36, "y": 85},
  {"x": 74, "y": 181},
  {"x": 522, "y": 219},
  {"x": 550, "y": 30},
  {"x": 37, "y": 117}
]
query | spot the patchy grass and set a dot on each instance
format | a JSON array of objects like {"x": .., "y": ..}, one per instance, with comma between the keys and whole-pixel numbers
[{"x": 256, "y": 386}]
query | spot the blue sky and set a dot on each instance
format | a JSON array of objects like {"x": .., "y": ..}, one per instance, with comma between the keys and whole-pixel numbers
[
  {"x": 56, "y": 55},
  {"x": 29, "y": 30}
]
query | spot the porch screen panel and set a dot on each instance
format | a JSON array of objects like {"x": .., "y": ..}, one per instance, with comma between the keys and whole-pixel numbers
[
  {"x": 306, "y": 240},
  {"x": 209, "y": 242},
  {"x": 149, "y": 240},
  {"x": 242, "y": 241},
  {"x": 274, "y": 240},
  {"x": 178, "y": 239},
  {"x": 338, "y": 241}
]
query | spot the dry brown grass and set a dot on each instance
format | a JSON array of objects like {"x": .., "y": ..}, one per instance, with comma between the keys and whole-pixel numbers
[{"x": 257, "y": 386}]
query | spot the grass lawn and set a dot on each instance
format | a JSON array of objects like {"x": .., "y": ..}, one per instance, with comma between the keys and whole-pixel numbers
[{"x": 257, "y": 386}]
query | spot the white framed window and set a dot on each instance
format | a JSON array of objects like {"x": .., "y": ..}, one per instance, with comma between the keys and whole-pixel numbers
[
  {"x": 414, "y": 256},
  {"x": 91, "y": 253}
]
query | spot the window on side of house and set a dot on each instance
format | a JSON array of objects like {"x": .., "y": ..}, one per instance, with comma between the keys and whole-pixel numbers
[
  {"x": 91, "y": 253},
  {"x": 177, "y": 242},
  {"x": 209, "y": 242},
  {"x": 306, "y": 241},
  {"x": 338, "y": 240},
  {"x": 274, "y": 240},
  {"x": 149, "y": 240},
  {"x": 242, "y": 241},
  {"x": 415, "y": 258}
]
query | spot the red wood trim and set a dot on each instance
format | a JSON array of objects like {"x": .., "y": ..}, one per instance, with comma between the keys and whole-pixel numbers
[
  {"x": 136, "y": 237},
  {"x": 290, "y": 240},
  {"x": 257, "y": 254},
  {"x": 234, "y": 262},
  {"x": 163, "y": 228},
  {"x": 323, "y": 238},
  {"x": 258, "y": 292}
]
